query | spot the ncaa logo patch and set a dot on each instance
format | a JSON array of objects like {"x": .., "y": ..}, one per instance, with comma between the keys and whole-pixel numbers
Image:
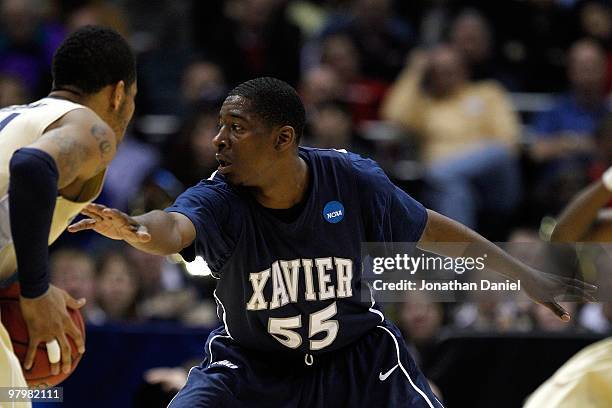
[{"x": 333, "y": 212}]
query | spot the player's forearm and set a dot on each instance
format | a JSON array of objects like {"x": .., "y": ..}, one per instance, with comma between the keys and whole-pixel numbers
[
  {"x": 441, "y": 230},
  {"x": 580, "y": 215},
  {"x": 165, "y": 237},
  {"x": 32, "y": 196}
]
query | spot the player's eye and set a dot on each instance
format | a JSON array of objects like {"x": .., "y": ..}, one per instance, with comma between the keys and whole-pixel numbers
[{"x": 236, "y": 127}]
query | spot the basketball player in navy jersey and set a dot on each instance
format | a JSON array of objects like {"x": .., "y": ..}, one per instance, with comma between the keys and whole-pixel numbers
[{"x": 281, "y": 228}]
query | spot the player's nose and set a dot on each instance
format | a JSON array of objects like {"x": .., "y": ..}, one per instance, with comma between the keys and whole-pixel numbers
[{"x": 219, "y": 141}]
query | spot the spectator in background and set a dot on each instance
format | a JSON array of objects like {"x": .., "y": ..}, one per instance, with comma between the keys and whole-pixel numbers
[
  {"x": 471, "y": 35},
  {"x": 96, "y": 12},
  {"x": 380, "y": 36},
  {"x": 330, "y": 127},
  {"x": 27, "y": 44},
  {"x": 203, "y": 82},
  {"x": 134, "y": 161},
  {"x": 468, "y": 134},
  {"x": 602, "y": 159},
  {"x": 165, "y": 294},
  {"x": 249, "y": 38},
  {"x": 12, "y": 91},
  {"x": 158, "y": 190},
  {"x": 563, "y": 142},
  {"x": 595, "y": 22},
  {"x": 319, "y": 85},
  {"x": 191, "y": 157},
  {"x": 118, "y": 287},
  {"x": 532, "y": 37},
  {"x": 421, "y": 320},
  {"x": 361, "y": 93},
  {"x": 75, "y": 271}
]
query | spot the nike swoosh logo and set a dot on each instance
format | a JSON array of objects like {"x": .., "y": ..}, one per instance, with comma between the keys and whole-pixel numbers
[{"x": 383, "y": 377}]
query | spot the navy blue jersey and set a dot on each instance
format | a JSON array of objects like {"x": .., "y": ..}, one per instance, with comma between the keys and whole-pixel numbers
[{"x": 295, "y": 284}]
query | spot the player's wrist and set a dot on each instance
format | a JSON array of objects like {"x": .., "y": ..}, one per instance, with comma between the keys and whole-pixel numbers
[
  {"x": 35, "y": 292},
  {"x": 607, "y": 179}
]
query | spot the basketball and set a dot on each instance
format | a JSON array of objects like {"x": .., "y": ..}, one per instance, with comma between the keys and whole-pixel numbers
[{"x": 40, "y": 373}]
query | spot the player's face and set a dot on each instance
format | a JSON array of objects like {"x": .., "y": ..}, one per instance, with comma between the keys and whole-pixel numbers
[{"x": 244, "y": 144}]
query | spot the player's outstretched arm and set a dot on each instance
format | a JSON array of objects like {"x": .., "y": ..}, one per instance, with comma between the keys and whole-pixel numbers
[
  {"x": 541, "y": 287},
  {"x": 583, "y": 218},
  {"x": 156, "y": 232}
]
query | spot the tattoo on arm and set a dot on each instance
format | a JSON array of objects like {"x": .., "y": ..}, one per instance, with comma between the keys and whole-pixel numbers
[
  {"x": 71, "y": 156},
  {"x": 104, "y": 145}
]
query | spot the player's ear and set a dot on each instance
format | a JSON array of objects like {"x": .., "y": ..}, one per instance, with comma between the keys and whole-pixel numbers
[
  {"x": 118, "y": 95},
  {"x": 285, "y": 138}
]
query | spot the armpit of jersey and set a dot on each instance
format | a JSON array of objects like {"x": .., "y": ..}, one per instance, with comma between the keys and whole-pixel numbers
[{"x": 216, "y": 213}]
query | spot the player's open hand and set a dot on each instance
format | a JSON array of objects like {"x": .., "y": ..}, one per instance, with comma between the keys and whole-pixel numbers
[
  {"x": 47, "y": 320},
  {"x": 111, "y": 223},
  {"x": 546, "y": 288}
]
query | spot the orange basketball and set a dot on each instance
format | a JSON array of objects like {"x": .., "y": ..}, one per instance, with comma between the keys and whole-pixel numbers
[{"x": 40, "y": 373}]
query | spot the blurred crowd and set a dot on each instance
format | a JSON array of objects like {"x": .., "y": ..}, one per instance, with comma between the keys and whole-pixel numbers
[{"x": 492, "y": 113}]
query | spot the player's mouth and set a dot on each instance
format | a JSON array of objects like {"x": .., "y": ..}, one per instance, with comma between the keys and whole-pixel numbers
[{"x": 224, "y": 164}]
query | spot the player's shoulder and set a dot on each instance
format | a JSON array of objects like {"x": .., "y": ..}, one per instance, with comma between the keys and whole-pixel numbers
[
  {"x": 364, "y": 170},
  {"x": 340, "y": 157},
  {"x": 214, "y": 190},
  {"x": 84, "y": 117}
]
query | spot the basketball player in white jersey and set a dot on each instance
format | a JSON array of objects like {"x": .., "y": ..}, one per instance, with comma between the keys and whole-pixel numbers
[
  {"x": 586, "y": 219},
  {"x": 53, "y": 157},
  {"x": 585, "y": 380}
]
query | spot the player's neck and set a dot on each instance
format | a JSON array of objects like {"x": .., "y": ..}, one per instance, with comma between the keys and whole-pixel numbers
[
  {"x": 287, "y": 188},
  {"x": 68, "y": 94}
]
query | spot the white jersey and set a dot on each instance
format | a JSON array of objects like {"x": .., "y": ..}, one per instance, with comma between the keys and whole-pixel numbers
[{"x": 20, "y": 126}]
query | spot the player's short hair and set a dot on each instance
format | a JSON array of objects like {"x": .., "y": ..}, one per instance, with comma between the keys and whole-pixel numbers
[
  {"x": 274, "y": 101},
  {"x": 91, "y": 58}
]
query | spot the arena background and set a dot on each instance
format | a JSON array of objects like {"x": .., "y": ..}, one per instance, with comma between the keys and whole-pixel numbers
[{"x": 378, "y": 77}]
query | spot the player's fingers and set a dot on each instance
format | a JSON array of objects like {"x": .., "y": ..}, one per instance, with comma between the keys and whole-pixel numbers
[
  {"x": 93, "y": 215},
  {"x": 66, "y": 354},
  {"x": 85, "y": 224},
  {"x": 75, "y": 335},
  {"x": 74, "y": 303},
  {"x": 53, "y": 351},
  {"x": 574, "y": 298},
  {"x": 578, "y": 283},
  {"x": 97, "y": 208},
  {"x": 558, "y": 310},
  {"x": 143, "y": 236},
  {"x": 120, "y": 217},
  {"x": 142, "y": 233},
  {"x": 30, "y": 354},
  {"x": 575, "y": 294},
  {"x": 135, "y": 233}
]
